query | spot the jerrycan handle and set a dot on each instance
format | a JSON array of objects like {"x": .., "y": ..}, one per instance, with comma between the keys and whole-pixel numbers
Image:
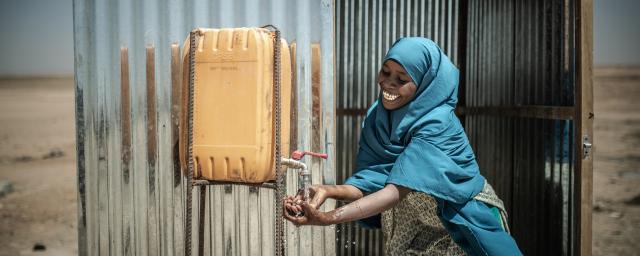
[{"x": 297, "y": 155}]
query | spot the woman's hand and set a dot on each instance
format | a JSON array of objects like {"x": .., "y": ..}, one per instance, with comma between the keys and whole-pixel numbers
[
  {"x": 294, "y": 206},
  {"x": 318, "y": 195},
  {"x": 291, "y": 206},
  {"x": 310, "y": 216},
  {"x": 302, "y": 213}
]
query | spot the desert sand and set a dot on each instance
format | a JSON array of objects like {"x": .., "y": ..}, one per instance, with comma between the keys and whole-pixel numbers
[
  {"x": 37, "y": 155},
  {"x": 616, "y": 173}
]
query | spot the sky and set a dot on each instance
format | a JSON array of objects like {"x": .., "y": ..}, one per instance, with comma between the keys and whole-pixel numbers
[
  {"x": 36, "y": 36},
  {"x": 616, "y": 32}
]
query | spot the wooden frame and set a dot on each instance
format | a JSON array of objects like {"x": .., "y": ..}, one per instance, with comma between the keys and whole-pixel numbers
[{"x": 583, "y": 179}]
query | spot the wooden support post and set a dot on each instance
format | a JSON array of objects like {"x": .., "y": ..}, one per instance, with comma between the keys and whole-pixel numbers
[{"x": 583, "y": 178}]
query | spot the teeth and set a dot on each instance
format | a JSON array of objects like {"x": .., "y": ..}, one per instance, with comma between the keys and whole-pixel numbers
[{"x": 388, "y": 96}]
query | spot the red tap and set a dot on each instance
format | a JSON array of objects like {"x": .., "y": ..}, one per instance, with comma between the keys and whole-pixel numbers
[{"x": 297, "y": 155}]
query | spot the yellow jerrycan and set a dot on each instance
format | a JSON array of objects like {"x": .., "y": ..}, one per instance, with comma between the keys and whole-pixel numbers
[{"x": 233, "y": 105}]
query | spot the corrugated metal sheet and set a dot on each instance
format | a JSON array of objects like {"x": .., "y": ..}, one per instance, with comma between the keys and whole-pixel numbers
[
  {"x": 520, "y": 119},
  {"x": 130, "y": 192},
  {"x": 364, "y": 31}
]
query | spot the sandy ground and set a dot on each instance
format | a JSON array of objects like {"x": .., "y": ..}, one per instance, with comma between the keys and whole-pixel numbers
[
  {"x": 37, "y": 155},
  {"x": 616, "y": 192}
]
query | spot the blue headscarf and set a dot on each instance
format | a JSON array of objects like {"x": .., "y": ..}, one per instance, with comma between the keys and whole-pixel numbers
[{"x": 422, "y": 145}]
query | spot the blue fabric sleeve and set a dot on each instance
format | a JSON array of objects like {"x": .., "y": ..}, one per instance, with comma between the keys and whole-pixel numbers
[
  {"x": 425, "y": 167},
  {"x": 367, "y": 180}
]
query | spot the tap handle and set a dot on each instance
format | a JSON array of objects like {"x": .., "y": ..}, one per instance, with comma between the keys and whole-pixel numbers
[{"x": 297, "y": 155}]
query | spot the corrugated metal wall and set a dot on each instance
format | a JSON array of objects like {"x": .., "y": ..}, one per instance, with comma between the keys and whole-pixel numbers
[
  {"x": 520, "y": 115},
  {"x": 130, "y": 192},
  {"x": 364, "y": 32}
]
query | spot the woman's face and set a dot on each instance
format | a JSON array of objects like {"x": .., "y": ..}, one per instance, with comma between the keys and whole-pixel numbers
[{"x": 396, "y": 85}]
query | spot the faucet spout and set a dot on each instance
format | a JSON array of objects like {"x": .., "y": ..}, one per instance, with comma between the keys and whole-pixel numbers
[{"x": 304, "y": 175}]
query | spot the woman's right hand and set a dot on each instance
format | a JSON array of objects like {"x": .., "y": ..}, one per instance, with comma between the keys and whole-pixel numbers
[{"x": 318, "y": 195}]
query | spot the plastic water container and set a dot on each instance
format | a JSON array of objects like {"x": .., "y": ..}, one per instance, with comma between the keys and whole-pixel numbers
[{"x": 234, "y": 110}]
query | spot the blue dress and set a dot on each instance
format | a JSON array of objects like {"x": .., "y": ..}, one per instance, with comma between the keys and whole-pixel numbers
[{"x": 422, "y": 146}]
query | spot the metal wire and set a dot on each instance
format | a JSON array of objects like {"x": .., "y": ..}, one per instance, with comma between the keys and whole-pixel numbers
[
  {"x": 192, "y": 51},
  {"x": 280, "y": 246}
]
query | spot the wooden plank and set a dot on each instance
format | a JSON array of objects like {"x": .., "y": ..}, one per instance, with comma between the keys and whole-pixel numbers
[{"x": 584, "y": 126}]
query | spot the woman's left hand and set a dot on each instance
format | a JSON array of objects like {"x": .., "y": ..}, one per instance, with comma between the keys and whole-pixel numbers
[{"x": 311, "y": 216}]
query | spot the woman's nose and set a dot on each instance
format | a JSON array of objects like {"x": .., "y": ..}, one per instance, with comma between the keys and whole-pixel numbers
[{"x": 386, "y": 84}]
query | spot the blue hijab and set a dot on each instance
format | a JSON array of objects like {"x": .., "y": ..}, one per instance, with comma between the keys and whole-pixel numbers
[{"x": 422, "y": 146}]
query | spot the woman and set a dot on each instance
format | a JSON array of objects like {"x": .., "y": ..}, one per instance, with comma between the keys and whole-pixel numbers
[{"x": 416, "y": 166}]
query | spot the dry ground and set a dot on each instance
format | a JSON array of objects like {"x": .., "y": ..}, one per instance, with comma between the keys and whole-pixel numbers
[
  {"x": 37, "y": 155},
  {"x": 616, "y": 192}
]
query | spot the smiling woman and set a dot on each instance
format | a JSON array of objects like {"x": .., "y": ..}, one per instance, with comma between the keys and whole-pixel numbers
[{"x": 416, "y": 166}]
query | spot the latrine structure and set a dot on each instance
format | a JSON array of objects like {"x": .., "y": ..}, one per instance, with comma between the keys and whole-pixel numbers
[{"x": 525, "y": 101}]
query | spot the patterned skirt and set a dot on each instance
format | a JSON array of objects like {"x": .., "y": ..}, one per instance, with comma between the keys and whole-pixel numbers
[{"x": 413, "y": 227}]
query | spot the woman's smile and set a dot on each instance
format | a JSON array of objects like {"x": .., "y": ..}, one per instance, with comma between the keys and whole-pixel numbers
[{"x": 389, "y": 96}]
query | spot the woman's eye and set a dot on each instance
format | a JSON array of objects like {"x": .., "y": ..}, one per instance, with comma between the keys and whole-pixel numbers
[
  {"x": 386, "y": 73},
  {"x": 403, "y": 81}
]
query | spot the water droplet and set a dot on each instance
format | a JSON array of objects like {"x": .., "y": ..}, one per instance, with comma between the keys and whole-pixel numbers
[{"x": 354, "y": 243}]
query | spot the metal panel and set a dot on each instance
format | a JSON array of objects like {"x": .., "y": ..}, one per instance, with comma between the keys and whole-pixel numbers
[
  {"x": 130, "y": 187},
  {"x": 364, "y": 32},
  {"x": 521, "y": 117}
]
